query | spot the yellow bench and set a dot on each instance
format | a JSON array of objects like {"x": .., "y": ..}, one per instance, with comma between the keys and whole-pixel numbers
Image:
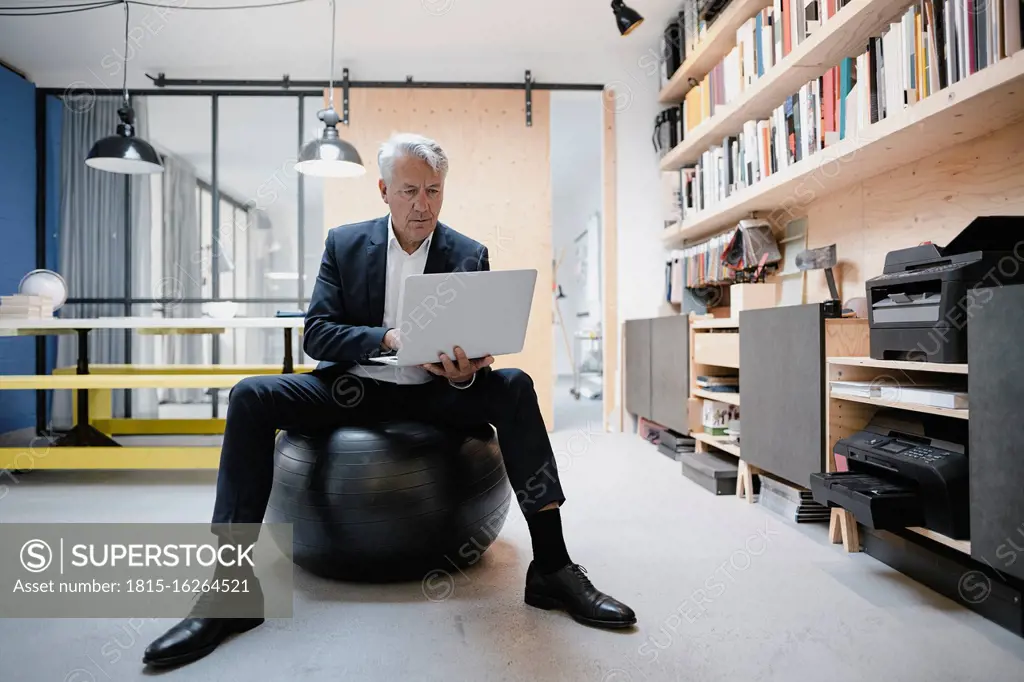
[
  {"x": 99, "y": 383},
  {"x": 101, "y": 400},
  {"x": 39, "y": 456},
  {"x": 182, "y": 369},
  {"x": 110, "y": 382}
]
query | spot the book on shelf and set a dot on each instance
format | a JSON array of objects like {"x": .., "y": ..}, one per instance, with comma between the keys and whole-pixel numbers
[
  {"x": 716, "y": 417},
  {"x": 761, "y": 42},
  {"x": 713, "y": 385},
  {"x": 932, "y": 45},
  {"x": 700, "y": 266}
]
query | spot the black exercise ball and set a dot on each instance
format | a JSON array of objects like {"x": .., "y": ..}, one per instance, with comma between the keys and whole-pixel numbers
[{"x": 391, "y": 501}]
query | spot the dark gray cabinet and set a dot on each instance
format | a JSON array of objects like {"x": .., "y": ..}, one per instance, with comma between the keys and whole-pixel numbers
[
  {"x": 670, "y": 371},
  {"x": 995, "y": 360},
  {"x": 782, "y": 390},
  {"x": 657, "y": 381},
  {"x": 637, "y": 339}
]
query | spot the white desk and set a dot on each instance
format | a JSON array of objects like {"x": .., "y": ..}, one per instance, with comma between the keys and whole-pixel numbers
[{"x": 183, "y": 324}]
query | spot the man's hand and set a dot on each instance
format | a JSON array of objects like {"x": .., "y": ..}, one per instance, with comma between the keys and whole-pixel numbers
[
  {"x": 460, "y": 371},
  {"x": 391, "y": 340}
]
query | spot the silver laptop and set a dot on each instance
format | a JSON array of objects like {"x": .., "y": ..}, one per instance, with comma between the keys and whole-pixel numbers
[{"x": 484, "y": 313}]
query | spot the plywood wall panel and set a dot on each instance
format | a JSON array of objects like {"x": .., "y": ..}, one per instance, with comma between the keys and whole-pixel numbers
[
  {"x": 498, "y": 189},
  {"x": 836, "y": 220},
  {"x": 930, "y": 200}
]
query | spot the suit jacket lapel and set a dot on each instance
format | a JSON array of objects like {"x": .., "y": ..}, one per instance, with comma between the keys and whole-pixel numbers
[
  {"x": 437, "y": 257},
  {"x": 376, "y": 270}
]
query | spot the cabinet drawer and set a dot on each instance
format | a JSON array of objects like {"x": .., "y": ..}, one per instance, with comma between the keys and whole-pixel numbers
[{"x": 717, "y": 348}]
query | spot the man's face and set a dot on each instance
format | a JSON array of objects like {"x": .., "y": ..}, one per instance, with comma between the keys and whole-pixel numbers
[{"x": 414, "y": 196}]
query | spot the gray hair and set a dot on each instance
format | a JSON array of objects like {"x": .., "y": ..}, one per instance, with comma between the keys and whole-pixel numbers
[{"x": 410, "y": 144}]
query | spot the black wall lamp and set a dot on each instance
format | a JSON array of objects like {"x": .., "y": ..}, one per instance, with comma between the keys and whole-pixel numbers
[{"x": 626, "y": 18}]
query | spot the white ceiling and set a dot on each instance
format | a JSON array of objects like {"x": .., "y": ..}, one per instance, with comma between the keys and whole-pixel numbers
[{"x": 481, "y": 40}]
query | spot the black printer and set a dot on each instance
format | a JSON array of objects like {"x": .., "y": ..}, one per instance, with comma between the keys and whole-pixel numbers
[
  {"x": 919, "y": 307},
  {"x": 902, "y": 471}
]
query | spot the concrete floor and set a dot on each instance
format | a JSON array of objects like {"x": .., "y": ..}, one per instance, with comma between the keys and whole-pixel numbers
[{"x": 778, "y": 601}]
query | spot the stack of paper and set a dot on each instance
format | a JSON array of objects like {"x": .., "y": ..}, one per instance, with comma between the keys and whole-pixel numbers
[
  {"x": 795, "y": 504},
  {"x": 21, "y": 307},
  {"x": 917, "y": 394}
]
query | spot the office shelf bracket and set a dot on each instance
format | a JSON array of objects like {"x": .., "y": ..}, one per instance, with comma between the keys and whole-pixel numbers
[
  {"x": 529, "y": 99},
  {"x": 344, "y": 96}
]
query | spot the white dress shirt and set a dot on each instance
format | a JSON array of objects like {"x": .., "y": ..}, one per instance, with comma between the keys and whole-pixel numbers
[{"x": 399, "y": 265}]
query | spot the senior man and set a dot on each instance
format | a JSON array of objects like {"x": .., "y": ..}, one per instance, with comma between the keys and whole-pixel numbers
[{"x": 352, "y": 316}]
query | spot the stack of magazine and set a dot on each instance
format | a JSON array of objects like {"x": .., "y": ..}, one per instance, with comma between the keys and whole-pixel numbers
[{"x": 790, "y": 502}]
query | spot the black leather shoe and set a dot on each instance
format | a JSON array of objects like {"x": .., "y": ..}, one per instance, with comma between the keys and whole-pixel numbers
[
  {"x": 569, "y": 589},
  {"x": 198, "y": 635},
  {"x": 193, "y": 638}
]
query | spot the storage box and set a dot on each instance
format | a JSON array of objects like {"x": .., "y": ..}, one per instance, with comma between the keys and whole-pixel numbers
[
  {"x": 751, "y": 297},
  {"x": 712, "y": 471}
]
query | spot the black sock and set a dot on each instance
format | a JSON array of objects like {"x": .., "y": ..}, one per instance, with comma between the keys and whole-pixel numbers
[{"x": 549, "y": 552}]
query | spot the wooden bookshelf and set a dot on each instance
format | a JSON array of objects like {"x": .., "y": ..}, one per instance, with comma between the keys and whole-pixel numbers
[
  {"x": 729, "y": 398},
  {"x": 959, "y": 545},
  {"x": 715, "y": 323},
  {"x": 718, "y": 41},
  {"x": 720, "y": 442},
  {"x": 844, "y": 34},
  {"x": 912, "y": 407},
  {"x": 986, "y": 101},
  {"x": 863, "y": 368},
  {"x": 946, "y": 368},
  {"x": 847, "y": 414},
  {"x": 714, "y": 351}
]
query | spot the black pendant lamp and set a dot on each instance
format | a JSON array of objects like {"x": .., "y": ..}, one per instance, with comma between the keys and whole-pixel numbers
[
  {"x": 123, "y": 152},
  {"x": 329, "y": 156},
  {"x": 626, "y": 18}
]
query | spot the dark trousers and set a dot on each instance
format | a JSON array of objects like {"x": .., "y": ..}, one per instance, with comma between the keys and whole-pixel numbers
[{"x": 259, "y": 406}]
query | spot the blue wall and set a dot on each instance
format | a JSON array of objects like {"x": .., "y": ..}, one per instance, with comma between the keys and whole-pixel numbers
[{"x": 17, "y": 232}]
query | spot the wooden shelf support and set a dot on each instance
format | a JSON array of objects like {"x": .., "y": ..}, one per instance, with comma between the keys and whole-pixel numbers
[
  {"x": 745, "y": 481},
  {"x": 842, "y": 526}
]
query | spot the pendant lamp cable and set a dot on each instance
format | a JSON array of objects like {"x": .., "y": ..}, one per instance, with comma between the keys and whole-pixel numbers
[
  {"x": 334, "y": 31},
  {"x": 21, "y": 9},
  {"x": 124, "y": 81}
]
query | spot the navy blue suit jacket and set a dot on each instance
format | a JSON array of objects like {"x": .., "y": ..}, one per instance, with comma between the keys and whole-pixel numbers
[{"x": 344, "y": 322}]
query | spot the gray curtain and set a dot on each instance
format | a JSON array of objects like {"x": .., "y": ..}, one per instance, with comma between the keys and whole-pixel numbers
[
  {"x": 181, "y": 270},
  {"x": 144, "y": 401},
  {"x": 93, "y": 247},
  {"x": 262, "y": 345}
]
